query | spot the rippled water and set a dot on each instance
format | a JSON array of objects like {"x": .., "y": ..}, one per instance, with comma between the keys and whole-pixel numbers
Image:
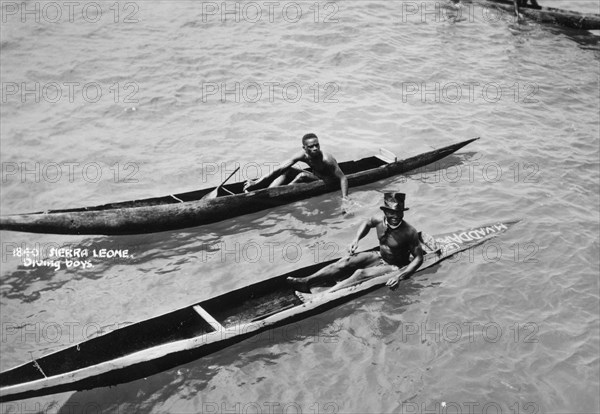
[{"x": 513, "y": 327}]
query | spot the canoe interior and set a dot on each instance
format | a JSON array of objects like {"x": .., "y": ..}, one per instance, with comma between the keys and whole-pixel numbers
[
  {"x": 255, "y": 302},
  {"x": 348, "y": 167}
]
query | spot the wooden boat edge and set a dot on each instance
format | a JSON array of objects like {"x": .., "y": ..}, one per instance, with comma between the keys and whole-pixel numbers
[
  {"x": 164, "y": 217},
  {"x": 196, "y": 344},
  {"x": 562, "y": 17}
]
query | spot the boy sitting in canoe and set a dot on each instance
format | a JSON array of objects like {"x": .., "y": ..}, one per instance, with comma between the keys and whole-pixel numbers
[
  {"x": 397, "y": 241},
  {"x": 324, "y": 167}
]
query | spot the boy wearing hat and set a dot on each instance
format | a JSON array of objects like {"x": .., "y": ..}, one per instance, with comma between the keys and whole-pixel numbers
[
  {"x": 397, "y": 241},
  {"x": 323, "y": 165}
]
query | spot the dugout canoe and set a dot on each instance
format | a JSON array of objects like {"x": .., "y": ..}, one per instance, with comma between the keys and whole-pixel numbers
[
  {"x": 163, "y": 342},
  {"x": 552, "y": 15},
  {"x": 189, "y": 209}
]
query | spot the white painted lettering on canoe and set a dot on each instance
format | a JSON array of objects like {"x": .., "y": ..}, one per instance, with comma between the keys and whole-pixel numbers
[
  {"x": 464, "y": 236},
  {"x": 448, "y": 239},
  {"x": 477, "y": 234},
  {"x": 490, "y": 230},
  {"x": 454, "y": 238},
  {"x": 471, "y": 235}
]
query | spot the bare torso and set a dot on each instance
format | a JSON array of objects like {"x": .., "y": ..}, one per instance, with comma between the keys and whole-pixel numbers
[
  {"x": 323, "y": 167},
  {"x": 396, "y": 245}
]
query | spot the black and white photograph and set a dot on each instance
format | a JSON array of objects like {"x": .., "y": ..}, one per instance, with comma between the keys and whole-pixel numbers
[{"x": 300, "y": 207}]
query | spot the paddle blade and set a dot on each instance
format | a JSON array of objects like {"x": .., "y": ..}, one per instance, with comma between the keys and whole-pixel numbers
[{"x": 213, "y": 194}]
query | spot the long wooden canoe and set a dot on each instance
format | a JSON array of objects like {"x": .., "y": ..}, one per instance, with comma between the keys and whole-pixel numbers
[
  {"x": 163, "y": 342},
  {"x": 189, "y": 209},
  {"x": 561, "y": 17}
]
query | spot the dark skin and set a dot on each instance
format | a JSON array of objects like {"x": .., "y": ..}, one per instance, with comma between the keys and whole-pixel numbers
[
  {"x": 324, "y": 167},
  {"x": 396, "y": 244}
]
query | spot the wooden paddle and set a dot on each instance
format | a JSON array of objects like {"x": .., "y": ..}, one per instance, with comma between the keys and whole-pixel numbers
[{"x": 215, "y": 193}]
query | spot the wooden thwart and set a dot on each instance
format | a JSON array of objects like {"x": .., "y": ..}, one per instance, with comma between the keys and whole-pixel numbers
[{"x": 208, "y": 318}]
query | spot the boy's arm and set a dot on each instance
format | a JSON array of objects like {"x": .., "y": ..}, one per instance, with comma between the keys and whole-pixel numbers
[
  {"x": 252, "y": 185},
  {"x": 363, "y": 230}
]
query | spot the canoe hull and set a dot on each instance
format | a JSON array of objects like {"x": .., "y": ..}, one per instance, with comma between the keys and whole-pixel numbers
[
  {"x": 139, "y": 350},
  {"x": 565, "y": 18},
  {"x": 149, "y": 216}
]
